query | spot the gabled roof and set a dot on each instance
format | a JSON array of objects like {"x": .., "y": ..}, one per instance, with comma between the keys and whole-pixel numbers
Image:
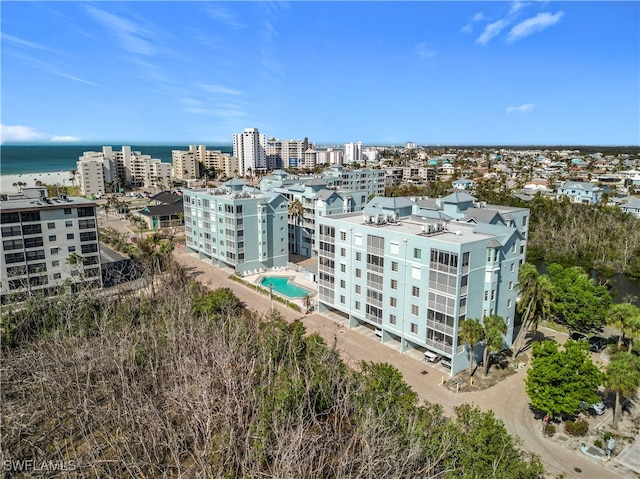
[
  {"x": 234, "y": 182},
  {"x": 580, "y": 185},
  {"x": 166, "y": 197},
  {"x": 484, "y": 215},
  {"x": 162, "y": 210},
  {"x": 390, "y": 203},
  {"x": 458, "y": 197}
]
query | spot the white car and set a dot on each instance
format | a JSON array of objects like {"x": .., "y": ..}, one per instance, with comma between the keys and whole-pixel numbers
[{"x": 431, "y": 357}]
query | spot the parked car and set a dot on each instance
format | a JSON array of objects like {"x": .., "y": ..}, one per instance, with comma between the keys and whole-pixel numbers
[
  {"x": 431, "y": 357},
  {"x": 379, "y": 333},
  {"x": 597, "y": 343},
  {"x": 446, "y": 363},
  {"x": 595, "y": 409},
  {"x": 576, "y": 336},
  {"x": 627, "y": 404}
]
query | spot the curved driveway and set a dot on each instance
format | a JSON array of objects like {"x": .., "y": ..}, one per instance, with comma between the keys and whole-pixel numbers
[{"x": 507, "y": 399}]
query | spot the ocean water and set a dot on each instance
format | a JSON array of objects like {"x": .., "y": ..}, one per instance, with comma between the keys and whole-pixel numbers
[{"x": 21, "y": 159}]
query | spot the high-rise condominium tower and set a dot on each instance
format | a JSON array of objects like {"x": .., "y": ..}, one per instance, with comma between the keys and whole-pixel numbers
[{"x": 249, "y": 148}]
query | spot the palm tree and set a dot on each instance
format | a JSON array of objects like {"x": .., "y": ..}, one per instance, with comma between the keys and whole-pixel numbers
[
  {"x": 623, "y": 377},
  {"x": 536, "y": 295},
  {"x": 72, "y": 177},
  {"x": 494, "y": 328},
  {"x": 306, "y": 302},
  {"x": 470, "y": 333},
  {"x": 106, "y": 207},
  {"x": 295, "y": 211},
  {"x": 625, "y": 317}
]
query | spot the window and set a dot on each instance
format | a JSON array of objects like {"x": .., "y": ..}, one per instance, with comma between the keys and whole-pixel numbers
[
  {"x": 55, "y": 250},
  {"x": 414, "y": 328},
  {"x": 393, "y": 319},
  {"x": 8, "y": 231},
  {"x": 415, "y": 272},
  {"x": 493, "y": 294},
  {"x": 358, "y": 273},
  {"x": 343, "y": 235},
  {"x": 510, "y": 285},
  {"x": 513, "y": 247},
  {"x": 393, "y": 302},
  {"x": 68, "y": 224},
  {"x": 417, "y": 253},
  {"x": 57, "y": 275},
  {"x": 394, "y": 284},
  {"x": 343, "y": 268},
  {"x": 71, "y": 249},
  {"x": 358, "y": 256},
  {"x": 53, "y": 238},
  {"x": 415, "y": 291},
  {"x": 486, "y": 295},
  {"x": 524, "y": 221},
  {"x": 12, "y": 244},
  {"x": 69, "y": 236},
  {"x": 358, "y": 289},
  {"x": 342, "y": 283},
  {"x": 343, "y": 252},
  {"x": 508, "y": 303},
  {"x": 342, "y": 299},
  {"x": 394, "y": 266},
  {"x": 512, "y": 267},
  {"x": 357, "y": 304},
  {"x": 415, "y": 310},
  {"x": 67, "y": 211},
  {"x": 51, "y": 226},
  {"x": 55, "y": 263}
]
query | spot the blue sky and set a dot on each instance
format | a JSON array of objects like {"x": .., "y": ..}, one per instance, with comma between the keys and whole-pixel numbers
[{"x": 509, "y": 73}]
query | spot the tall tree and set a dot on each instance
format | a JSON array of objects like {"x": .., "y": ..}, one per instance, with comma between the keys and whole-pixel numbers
[
  {"x": 295, "y": 211},
  {"x": 558, "y": 380},
  {"x": 494, "y": 328},
  {"x": 471, "y": 333},
  {"x": 623, "y": 377},
  {"x": 578, "y": 302},
  {"x": 536, "y": 296},
  {"x": 625, "y": 317}
]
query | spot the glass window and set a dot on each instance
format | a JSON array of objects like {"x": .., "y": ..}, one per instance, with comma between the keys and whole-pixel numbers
[
  {"x": 417, "y": 253},
  {"x": 415, "y": 310}
]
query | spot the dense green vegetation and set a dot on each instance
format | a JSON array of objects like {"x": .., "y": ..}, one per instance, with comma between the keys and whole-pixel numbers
[
  {"x": 178, "y": 381},
  {"x": 590, "y": 236},
  {"x": 560, "y": 378}
]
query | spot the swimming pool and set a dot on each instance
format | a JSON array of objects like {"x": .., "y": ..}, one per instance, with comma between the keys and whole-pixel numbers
[{"x": 282, "y": 286}]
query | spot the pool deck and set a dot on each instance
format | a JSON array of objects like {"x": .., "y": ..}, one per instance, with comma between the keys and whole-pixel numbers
[{"x": 295, "y": 277}]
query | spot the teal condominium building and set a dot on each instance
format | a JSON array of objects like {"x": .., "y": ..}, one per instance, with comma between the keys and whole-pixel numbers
[
  {"x": 237, "y": 227},
  {"x": 414, "y": 268}
]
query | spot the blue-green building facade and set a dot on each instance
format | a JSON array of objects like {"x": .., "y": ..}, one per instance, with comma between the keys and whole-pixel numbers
[
  {"x": 415, "y": 268},
  {"x": 237, "y": 227}
]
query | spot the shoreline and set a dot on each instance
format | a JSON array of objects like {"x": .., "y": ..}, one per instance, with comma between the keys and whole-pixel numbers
[{"x": 48, "y": 177}]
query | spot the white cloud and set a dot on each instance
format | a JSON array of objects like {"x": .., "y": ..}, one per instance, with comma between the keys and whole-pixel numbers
[
  {"x": 19, "y": 133},
  {"x": 491, "y": 31},
  {"x": 130, "y": 35},
  {"x": 516, "y": 6},
  {"x": 222, "y": 90},
  {"x": 64, "y": 138},
  {"x": 223, "y": 15},
  {"x": 533, "y": 25},
  {"x": 423, "y": 50},
  {"x": 521, "y": 109},
  {"x": 468, "y": 28},
  {"x": 19, "y": 42}
]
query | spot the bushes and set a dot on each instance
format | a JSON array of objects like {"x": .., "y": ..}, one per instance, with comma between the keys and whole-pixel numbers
[
  {"x": 576, "y": 428},
  {"x": 550, "y": 429}
]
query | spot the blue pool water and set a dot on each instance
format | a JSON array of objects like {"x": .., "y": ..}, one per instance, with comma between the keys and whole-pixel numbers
[{"x": 284, "y": 287}]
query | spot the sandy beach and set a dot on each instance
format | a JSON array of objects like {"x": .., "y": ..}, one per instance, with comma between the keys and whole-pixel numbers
[{"x": 50, "y": 178}]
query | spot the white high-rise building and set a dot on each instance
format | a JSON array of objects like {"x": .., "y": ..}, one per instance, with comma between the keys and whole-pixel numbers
[
  {"x": 353, "y": 152},
  {"x": 249, "y": 148}
]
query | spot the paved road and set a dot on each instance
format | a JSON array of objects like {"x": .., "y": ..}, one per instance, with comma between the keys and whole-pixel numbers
[{"x": 507, "y": 399}]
